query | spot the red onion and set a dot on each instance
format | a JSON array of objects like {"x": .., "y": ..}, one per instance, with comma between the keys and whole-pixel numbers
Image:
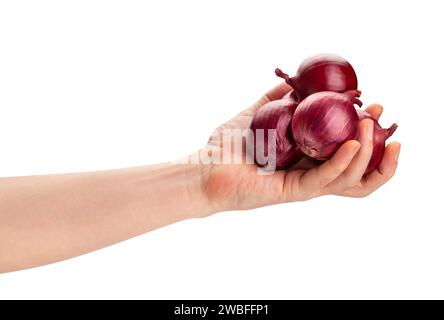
[
  {"x": 276, "y": 115},
  {"x": 324, "y": 121},
  {"x": 322, "y": 72},
  {"x": 379, "y": 137}
]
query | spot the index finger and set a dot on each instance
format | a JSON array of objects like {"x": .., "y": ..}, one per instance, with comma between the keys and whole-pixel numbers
[
  {"x": 278, "y": 92},
  {"x": 274, "y": 94}
]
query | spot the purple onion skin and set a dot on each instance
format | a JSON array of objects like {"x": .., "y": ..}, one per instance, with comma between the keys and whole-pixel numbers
[
  {"x": 323, "y": 121},
  {"x": 322, "y": 72},
  {"x": 277, "y": 115},
  {"x": 380, "y": 135}
]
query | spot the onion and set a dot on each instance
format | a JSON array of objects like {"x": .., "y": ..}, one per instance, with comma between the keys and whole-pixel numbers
[
  {"x": 379, "y": 137},
  {"x": 276, "y": 115},
  {"x": 324, "y": 121},
  {"x": 322, "y": 72}
]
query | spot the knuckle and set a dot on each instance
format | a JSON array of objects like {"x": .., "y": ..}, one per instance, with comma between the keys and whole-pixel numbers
[
  {"x": 389, "y": 175},
  {"x": 365, "y": 192},
  {"x": 351, "y": 180}
]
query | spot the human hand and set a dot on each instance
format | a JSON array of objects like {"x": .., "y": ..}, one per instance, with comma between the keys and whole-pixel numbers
[
  {"x": 49, "y": 218},
  {"x": 239, "y": 186}
]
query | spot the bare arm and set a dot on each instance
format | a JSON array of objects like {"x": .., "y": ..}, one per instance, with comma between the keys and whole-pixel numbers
[{"x": 44, "y": 219}]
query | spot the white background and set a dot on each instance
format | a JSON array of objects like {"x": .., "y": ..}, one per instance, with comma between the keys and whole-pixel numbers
[{"x": 92, "y": 85}]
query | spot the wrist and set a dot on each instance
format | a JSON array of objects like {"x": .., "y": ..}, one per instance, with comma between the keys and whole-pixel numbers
[
  {"x": 194, "y": 177},
  {"x": 177, "y": 189}
]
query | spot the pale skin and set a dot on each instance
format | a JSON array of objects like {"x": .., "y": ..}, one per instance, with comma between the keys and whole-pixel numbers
[{"x": 44, "y": 219}]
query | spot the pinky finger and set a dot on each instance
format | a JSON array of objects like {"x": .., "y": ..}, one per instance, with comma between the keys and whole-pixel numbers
[{"x": 386, "y": 170}]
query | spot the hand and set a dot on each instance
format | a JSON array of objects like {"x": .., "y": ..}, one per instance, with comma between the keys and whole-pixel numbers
[
  {"x": 239, "y": 186},
  {"x": 55, "y": 217}
]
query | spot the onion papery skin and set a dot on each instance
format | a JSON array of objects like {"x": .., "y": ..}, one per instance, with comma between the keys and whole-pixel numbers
[
  {"x": 277, "y": 115},
  {"x": 321, "y": 72},
  {"x": 323, "y": 121},
  {"x": 380, "y": 135}
]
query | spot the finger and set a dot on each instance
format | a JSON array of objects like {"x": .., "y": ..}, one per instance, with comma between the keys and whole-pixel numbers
[
  {"x": 274, "y": 94},
  {"x": 354, "y": 172},
  {"x": 314, "y": 180},
  {"x": 375, "y": 110},
  {"x": 386, "y": 169},
  {"x": 278, "y": 92}
]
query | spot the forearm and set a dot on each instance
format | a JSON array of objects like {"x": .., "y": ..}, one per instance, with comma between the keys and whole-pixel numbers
[{"x": 44, "y": 219}]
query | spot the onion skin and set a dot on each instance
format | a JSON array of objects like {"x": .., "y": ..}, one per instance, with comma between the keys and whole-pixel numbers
[
  {"x": 380, "y": 135},
  {"x": 277, "y": 115},
  {"x": 322, "y": 72},
  {"x": 323, "y": 121}
]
